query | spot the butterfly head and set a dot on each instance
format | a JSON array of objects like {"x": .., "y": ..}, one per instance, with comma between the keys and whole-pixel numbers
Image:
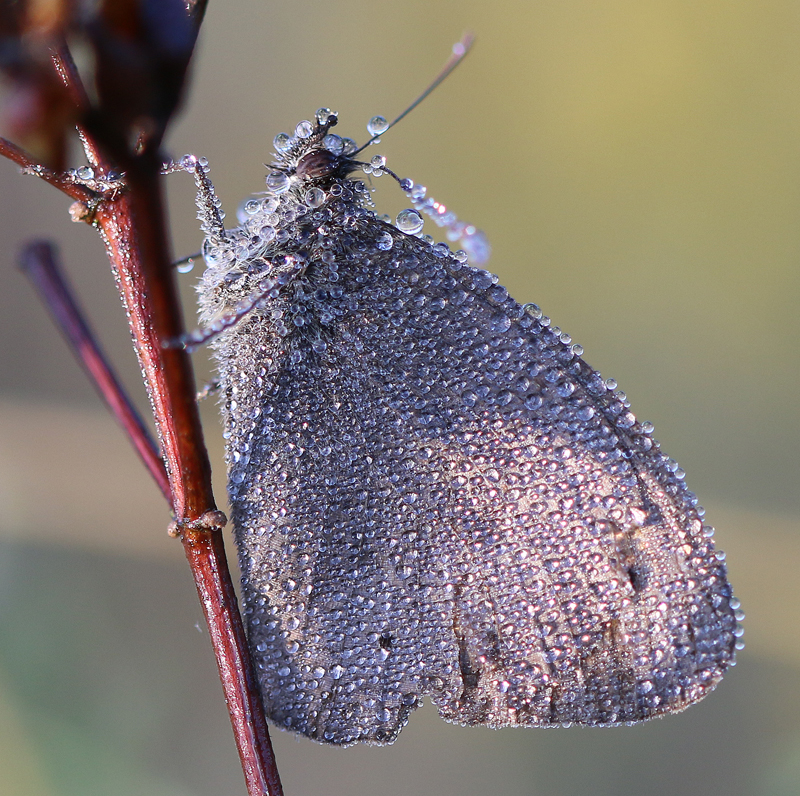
[
  {"x": 313, "y": 159},
  {"x": 314, "y": 165}
]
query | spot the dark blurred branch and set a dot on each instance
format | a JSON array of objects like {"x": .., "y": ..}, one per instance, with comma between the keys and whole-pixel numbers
[
  {"x": 39, "y": 264},
  {"x": 197, "y": 11},
  {"x": 68, "y": 73}
]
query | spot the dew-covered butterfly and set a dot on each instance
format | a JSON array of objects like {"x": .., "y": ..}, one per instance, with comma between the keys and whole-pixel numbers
[{"x": 432, "y": 493}]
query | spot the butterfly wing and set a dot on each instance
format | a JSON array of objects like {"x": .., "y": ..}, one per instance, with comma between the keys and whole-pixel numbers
[{"x": 434, "y": 495}]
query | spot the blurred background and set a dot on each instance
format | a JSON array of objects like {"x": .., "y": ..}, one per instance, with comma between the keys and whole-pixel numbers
[{"x": 636, "y": 166}]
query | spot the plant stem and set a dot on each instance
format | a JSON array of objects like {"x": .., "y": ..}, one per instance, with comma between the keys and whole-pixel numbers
[{"x": 131, "y": 222}]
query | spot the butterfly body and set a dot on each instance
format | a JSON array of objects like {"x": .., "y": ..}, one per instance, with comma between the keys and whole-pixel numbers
[{"x": 433, "y": 494}]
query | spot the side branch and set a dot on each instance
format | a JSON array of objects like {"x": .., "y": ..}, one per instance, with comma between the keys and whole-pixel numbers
[
  {"x": 39, "y": 264},
  {"x": 66, "y": 69},
  {"x": 56, "y": 179}
]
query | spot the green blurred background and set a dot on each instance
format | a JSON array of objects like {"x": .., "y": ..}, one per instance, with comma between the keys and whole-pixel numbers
[{"x": 636, "y": 166}]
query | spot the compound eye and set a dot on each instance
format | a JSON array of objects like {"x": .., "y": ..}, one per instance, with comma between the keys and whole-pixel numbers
[{"x": 317, "y": 164}]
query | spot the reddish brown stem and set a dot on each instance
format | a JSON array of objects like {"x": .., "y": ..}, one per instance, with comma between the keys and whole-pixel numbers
[
  {"x": 132, "y": 225},
  {"x": 68, "y": 72},
  {"x": 207, "y": 559},
  {"x": 133, "y": 228},
  {"x": 39, "y": 264}
]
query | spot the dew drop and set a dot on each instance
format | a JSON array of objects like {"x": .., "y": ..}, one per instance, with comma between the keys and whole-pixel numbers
[
  {"x": 315, "y": 197},
  {"x": 333, "y": 143},
  {"x": 324, "y": 115},
  {"x": 247, "y": 209},
  {"x": 409, "y": 221},
  {"x": 282, "y": 142},
  {"x": 469, "y": 398},
  {"x": 385, "y": 241},
  {"x": 304, "y": 129},
  {"x": 476, "y": 245},
  {"x": 377, "y": 125},
  {"x": 277, "y": 182},
  {"x": 210, "y": 253}
]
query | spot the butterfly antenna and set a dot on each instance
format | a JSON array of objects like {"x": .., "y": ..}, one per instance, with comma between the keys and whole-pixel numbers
[{"x": 460, "y": 49}]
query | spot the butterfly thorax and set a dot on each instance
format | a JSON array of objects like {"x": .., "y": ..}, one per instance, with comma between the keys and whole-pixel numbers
[
  {"x": 313, "y": 157},
  {"x": 310, "y": 194}
]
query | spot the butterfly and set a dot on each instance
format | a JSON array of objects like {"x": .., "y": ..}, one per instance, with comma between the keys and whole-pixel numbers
[{"x": 432, "y": 493}]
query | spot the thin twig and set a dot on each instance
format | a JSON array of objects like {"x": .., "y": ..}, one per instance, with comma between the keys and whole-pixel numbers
[
  {"x": 58, "y": 180},
  {"x": 39, "y": 264},
  {"x": 68, "y": 72}
]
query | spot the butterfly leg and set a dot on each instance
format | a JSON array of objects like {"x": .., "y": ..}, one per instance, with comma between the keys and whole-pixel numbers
[{"x": 208, "y": 204}]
